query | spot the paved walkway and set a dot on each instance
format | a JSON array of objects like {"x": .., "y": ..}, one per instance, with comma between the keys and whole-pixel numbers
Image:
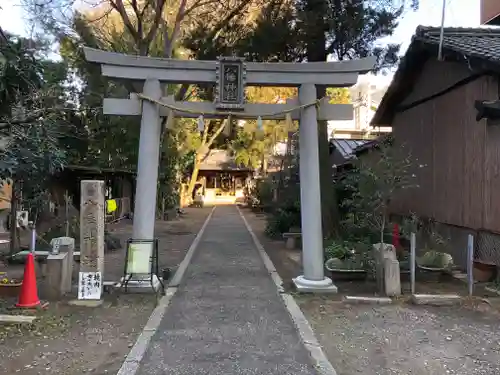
[{"x": 226, "y": 317}]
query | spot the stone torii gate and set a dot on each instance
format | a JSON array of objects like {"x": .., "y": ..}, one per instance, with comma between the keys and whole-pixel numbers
[{"x": 230, "y": 75}]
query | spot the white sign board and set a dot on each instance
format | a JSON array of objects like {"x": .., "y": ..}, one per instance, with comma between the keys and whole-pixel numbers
[
  {"x": 89, "y": 285},
  {"x": 139, "y": 258}
]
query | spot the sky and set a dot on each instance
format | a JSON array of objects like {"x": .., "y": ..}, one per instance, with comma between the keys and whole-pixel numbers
[{"x": 464, "y": 13}]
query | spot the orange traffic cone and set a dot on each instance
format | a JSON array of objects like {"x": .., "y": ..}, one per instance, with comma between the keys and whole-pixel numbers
[{"x": 29, "y": 292}]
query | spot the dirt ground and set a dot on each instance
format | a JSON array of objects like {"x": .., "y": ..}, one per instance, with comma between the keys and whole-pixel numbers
[
  {"x": 398, "y": 339},
  {"x": 71, "y": 340},
  {"x": 404, "y": 339}
]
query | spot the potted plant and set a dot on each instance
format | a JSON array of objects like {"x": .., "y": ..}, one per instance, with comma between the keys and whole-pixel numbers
[
  {"x": 435, "y": 258},
  {"x": 344, "y": 262},
  {"x": 484, "y": 271},
  {"x": 9, "y": 287}
]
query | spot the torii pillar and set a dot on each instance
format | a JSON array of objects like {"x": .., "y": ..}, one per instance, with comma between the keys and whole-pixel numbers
[
  {"x": 147, "y": 164},
  {"x": 313, "y": 279}
]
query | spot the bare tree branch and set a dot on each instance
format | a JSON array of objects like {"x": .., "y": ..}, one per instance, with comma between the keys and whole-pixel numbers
[
  {"x": 160, "y": 4},
  {"x": 170, "y": 41},
  {"x": 119, "y": 7}
]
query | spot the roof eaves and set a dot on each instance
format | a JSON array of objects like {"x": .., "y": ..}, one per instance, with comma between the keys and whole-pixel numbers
[
  {"x": 403, "y": 81},
  {"x": 423, "y": 45}
]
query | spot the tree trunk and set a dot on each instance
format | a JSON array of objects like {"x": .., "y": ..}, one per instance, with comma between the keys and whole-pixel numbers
[
  {"x": 202, "y": 153},
  {"x": 316, "y": 51},
  {"x": 194, "y": 178},
  {"x": 14, "y": 238}
]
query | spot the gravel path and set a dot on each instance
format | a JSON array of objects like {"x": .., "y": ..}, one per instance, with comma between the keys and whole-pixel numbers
[
  {"x": 402, "y": 340},
  {"x": 70, "y": 340},
  {"x": 275, "y": 249},
  {"x": 226, "y": 317}
]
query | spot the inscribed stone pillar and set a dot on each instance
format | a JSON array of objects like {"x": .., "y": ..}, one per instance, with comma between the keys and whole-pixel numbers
[
  {"x": 392, "y": 278},
  {"x": 314, "y": 279},
  {"x": 382, "y": 252},
  {"x": 92, "y": 226}
]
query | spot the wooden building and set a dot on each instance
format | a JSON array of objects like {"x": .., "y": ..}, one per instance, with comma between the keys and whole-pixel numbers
[
  {"x": 430, "y": 106},
  {"x": 490, "y": 12},
  {"x": 120, "y": 183},
  {"x": 221, "y": 179}
]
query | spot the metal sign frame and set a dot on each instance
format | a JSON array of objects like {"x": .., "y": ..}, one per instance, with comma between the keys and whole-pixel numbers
[{"x": 153, "y": 264}]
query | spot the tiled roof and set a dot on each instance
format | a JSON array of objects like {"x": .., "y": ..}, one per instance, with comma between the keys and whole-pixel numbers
[
  {"x": 480, "y": 44},
  {"x": 346, "y": 147},
  {"x": 219, "y": 160},
  {"x": 483, "y": 43}
]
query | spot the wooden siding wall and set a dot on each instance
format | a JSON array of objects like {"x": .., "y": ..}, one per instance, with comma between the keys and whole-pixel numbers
[{"x": 461, "y": 157}]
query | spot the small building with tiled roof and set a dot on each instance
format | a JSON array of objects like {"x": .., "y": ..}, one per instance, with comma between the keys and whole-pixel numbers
[
  {"x": 342, "y": 150},
  {"x": 431, "y": 107},
  {"x": 221, "y": 179}
]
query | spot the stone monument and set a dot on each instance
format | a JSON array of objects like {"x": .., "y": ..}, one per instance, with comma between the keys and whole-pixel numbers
[
  {"x": 60, "y": 267},
  {"x": 92, "y": 226},
  {"x": 392, "y": 278},
  {"x": 382, "y": 252}
]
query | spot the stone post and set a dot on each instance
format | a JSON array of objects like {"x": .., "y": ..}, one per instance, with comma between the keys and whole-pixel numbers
[
  {"x": 92, "y": 226},
  {"x": 392, "y": 278},
  {"x": 57, "y": 276},
  {"x": 147, "y": 164},
  {"x": 60, "y": 266},
  {"x": 314, "y": 279}
]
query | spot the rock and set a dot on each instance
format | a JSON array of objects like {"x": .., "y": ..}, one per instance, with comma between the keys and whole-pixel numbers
[{"x": 111, "y": 242}]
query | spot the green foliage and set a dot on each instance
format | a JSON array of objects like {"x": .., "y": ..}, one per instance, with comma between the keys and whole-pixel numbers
[
  {"x": 436, "y": 259},
  {"x": 34, "y": 119},
  {"x": 286, "y": 31},
  {"x": 282, "y": 220},
  {"x": 20, "y": 72},
  {"x": 338, "y": 249},
  {"x": 264, "y": 192},
  {"x": 346, "y": 255},
  {"x": 281, "y": 216},
  {"x": 374, "y": 182},
  {"x": 339, "y": 95}
]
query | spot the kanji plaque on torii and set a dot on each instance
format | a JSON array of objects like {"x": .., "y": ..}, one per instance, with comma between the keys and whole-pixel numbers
[{"x": 230, "y": 83}]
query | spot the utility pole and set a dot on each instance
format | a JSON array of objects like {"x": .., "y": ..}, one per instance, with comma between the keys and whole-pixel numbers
[{"x": 441, "y": 35}]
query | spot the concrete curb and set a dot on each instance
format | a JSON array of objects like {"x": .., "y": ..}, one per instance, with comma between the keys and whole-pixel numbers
[
  {"x": 436, "y": 299},
  {"x": 306, "y": 333},
  {"x": 367, "y": 300},
  {"x": 134, "y": 357},
  {"x": 492, "y": 290}
]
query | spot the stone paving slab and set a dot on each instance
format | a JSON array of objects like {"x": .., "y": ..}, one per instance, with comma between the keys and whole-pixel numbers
[{"x": 226, "y": 317}]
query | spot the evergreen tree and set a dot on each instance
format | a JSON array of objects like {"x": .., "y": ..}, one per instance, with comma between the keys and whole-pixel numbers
[{"x": 313, "y": 30}]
